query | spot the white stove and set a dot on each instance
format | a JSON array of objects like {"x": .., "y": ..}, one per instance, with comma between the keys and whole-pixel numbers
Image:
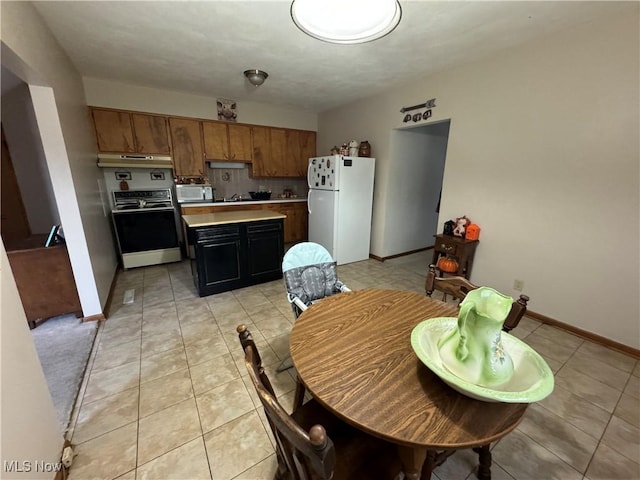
[
  {"x": 145, "y": 225},
  {"x": 142, "y": 199}
]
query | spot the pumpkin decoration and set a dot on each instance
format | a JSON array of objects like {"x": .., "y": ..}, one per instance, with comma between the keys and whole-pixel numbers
[
  {"x": 473, "y": 232},
  {"x": 447, "y": 264}
]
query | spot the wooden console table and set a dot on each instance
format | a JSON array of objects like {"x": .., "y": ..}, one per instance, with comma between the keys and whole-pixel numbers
[
  {"x": 44, "y": 279},
  {"x": 462, "y": 250}
]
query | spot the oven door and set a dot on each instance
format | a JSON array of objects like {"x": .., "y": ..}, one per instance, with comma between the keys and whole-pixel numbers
[{"x": 144, "y": 230}]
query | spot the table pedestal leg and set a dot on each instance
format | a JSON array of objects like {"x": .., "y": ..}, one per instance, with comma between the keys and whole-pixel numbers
[
  {"x": 484, "y": 462},
  {"x": 412, "y": 459}
]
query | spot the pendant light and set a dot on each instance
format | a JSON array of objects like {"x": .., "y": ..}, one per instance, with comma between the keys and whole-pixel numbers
[{"x": 256, "y": 77}]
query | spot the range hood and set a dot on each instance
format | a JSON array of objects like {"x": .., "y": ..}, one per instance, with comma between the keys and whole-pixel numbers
[{"x": 134, "y": 161}]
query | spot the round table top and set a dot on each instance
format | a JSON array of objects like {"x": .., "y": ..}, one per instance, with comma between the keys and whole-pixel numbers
[{"x": 353, "y": 353}]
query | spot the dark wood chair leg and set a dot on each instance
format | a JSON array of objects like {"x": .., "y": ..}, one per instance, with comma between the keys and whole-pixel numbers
[
  {"x": 484, "y": 462},
  {"x": 298, "y": 397},
  {"x": 428, "y": 465}
]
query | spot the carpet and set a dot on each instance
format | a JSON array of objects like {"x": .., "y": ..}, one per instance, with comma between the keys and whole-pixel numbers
[{"x": 64, "y": 344}]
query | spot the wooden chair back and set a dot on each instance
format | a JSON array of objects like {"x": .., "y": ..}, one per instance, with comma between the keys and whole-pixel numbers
[
  {"x": 458, "y": 287},
  {"x": 301, "y": 455}
]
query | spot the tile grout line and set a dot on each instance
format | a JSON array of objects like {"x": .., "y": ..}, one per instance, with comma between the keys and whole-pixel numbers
[
  {"x": 139, "y": 382},
  {"x": 193, "y": 390}
]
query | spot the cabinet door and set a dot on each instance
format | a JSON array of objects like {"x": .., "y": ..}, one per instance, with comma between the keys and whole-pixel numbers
[
  {"x": 287, "y": 210},
  {"x": 292, "y": 158},
  {"x": 307, "y": 150},
  {"x": 216, "y": 142},
  {"x": 188, "y": 157},
  {"x": 299, "y": 222},
  {"x": 277, "y": 165},
  {"x": 114, "y": 131},
  {"x": 265, "y": 249},
  {"x": 218, "y": 259},
  {"x": 151, "y": 133},
  {"x": 261, "y": 140},
  {"x": 239, "y": 143}
]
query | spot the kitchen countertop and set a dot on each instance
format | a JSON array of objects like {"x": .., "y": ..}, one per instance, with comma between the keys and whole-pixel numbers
[
  {"x": 241, "y": 216},
  {"x": 243, "y": 202}
]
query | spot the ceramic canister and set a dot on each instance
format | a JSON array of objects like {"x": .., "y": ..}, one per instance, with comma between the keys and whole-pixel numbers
[{"x": 365, "y": 149}]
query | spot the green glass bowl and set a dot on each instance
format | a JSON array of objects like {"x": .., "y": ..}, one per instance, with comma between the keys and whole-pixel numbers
[{"x": 532, "y": 378}]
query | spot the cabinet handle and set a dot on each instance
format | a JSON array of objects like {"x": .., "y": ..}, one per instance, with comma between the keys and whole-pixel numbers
[{"x": 446, "y": 247}]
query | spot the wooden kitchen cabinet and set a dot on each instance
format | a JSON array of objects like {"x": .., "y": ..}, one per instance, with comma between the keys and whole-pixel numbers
[
  {"x": 120, "y": 131},
  {"x": 288, "y": 152},
  {"x": 227, "y": 142},
  {"x": 261, "y": 142},
  {"x": 188, "y": 155},
  {"x": 295, "y": 225},
  {"x": 114, "y": 131},
  {"x": 151, "y": 134},
  {"x": 270, "y": 152},
  {"x": 300, "y": 223},
  {"x": 307, "y": 141}
]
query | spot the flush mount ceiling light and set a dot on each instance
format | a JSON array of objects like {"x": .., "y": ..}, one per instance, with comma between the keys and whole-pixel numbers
[
  {"x": 256, "y": 77},
  {"x": 339, "y": 21}
]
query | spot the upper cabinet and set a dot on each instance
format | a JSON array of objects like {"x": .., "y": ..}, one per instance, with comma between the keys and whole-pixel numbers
[
  {"x": 261, "y": 141},
  {"x": 227, "y": 142},
  {"x": 282, "y": 152},
  {"x": 307, "y": 140},
  {"x": 114, "y": 131},
  {"x": 150, "y": 133},
  {"x": 272, "y": 151},
  {"x": 128, "y": 132},
  {"x": 188, "y": 156}
]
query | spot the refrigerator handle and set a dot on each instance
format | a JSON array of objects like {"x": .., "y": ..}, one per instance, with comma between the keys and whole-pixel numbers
[
  {"x": 309, "y": 174},
  {"x": 309, "y": 201}
]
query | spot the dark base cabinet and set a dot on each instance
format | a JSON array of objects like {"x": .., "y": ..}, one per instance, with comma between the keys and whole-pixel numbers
[{"x": 236, "y": 255}]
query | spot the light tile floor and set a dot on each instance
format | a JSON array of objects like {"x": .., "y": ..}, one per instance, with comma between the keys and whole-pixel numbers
[{"x": 166, "y": 395}]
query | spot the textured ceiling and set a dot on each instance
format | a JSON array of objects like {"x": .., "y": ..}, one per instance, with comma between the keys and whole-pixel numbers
[{"x": 203, "y": 47}]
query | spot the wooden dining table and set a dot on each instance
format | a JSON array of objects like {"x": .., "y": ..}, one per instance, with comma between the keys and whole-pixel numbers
[{"x": 352, "y": 351}]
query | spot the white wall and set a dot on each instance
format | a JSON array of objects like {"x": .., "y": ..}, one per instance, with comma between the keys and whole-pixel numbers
[
  {"x": 418, "y": 167},
  {"x": 544, "y": 155},
  {"x": 107, "y": 93},
  {"x": 29, "y": 163},
  {"x": 31, "y": 53},
  {"x": 30, "y": 430}
]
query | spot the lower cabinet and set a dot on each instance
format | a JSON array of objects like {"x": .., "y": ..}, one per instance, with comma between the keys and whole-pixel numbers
[
  {"x": 236, "y": 255},
  {"x": 295, "y": 225}
]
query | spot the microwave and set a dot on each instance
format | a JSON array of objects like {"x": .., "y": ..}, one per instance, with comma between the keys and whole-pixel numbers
[{"x": 194, "y": 193}]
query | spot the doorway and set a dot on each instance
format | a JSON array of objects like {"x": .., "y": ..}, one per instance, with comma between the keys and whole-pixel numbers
[
  {"x": 42, "y": 274},
  {"x": 415, "y": 185}
]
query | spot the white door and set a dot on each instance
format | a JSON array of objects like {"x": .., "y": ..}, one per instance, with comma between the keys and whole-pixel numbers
[{"x": 322, "y": 206}]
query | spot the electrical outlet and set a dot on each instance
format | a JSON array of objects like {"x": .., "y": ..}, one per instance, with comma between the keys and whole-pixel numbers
[
  {"x": 518, "y": 285},
  {"x": 67, "y": 456}
]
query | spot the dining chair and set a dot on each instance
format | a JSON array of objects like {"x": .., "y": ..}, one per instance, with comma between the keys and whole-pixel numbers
[
  {"x": 458, "y": 287},
  {"x": 312, "y": 443},
  {"x": 310, "y": 274}
]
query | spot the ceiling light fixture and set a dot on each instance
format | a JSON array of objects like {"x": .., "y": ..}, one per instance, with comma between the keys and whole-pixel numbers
[
  {"x": 338, "y": 21},
  {"x": 256, "y": 77}
]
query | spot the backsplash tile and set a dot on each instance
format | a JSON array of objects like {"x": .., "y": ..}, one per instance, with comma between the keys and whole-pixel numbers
[{"x": 237, "y": 180}]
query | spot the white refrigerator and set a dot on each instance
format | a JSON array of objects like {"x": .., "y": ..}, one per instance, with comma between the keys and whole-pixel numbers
[{"x": 340, "y": 204}]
